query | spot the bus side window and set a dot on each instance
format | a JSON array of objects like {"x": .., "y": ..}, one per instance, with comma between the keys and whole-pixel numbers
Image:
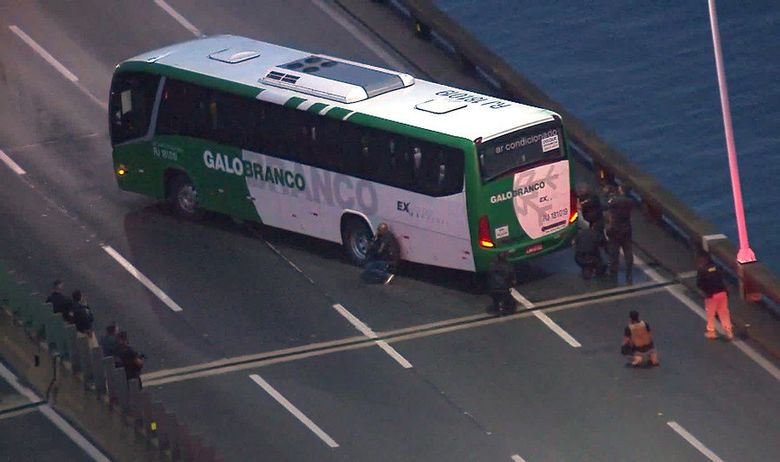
[
  {"x": 326, "y": 146},
  {"x": 232, "y": 120},
  {"x": 184, "y": 110},
  {"x": 131, "y": 101}
]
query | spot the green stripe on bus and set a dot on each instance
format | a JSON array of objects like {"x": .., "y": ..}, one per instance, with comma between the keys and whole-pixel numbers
[
  {"x": 317, "y": 107},
  {"x": 294, "y": 102},
  {"x": 191, "y": 77},
  {"x": 338, "y": 113}
]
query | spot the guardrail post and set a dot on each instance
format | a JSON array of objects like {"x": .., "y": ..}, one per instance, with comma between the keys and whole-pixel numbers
[
  {"x": 70, "y": 347},
  {"x": 748, "y": 289},
  {"x": 98, "y": 370}
]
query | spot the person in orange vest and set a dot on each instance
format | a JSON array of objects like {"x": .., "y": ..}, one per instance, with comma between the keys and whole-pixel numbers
[
  {"x": 638, "y": 337},
  {"x": 709, "y": 279}
]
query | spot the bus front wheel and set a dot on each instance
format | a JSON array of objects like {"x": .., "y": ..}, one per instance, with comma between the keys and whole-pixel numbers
[
  {"x": 184, "y": 198},
  {"x": 356, "y": 236}
]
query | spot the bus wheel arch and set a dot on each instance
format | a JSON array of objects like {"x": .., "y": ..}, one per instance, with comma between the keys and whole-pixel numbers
[
  {"x": 356, "y": 234},
  {"x": 181, "y": 194}
]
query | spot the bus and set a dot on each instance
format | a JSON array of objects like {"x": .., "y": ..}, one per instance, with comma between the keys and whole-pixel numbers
[{"x": 330, "y": 148}]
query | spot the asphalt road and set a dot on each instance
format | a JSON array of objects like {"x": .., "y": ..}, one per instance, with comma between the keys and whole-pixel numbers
[{"x": 261, "y": 361}]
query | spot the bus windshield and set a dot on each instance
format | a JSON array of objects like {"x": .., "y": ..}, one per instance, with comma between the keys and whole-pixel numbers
[{"x": 522, "y": 148}]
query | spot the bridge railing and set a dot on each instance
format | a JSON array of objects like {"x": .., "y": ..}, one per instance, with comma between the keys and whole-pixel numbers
[
  {"x": 757, "y": 282},
  {"x": 87, "y": 383}
]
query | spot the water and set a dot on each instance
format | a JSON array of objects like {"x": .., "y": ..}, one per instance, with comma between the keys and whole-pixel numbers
[{"x": 642, "y": 75}]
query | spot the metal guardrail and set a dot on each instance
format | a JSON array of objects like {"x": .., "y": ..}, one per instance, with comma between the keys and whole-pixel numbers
[{"x": 757, "y": 282}]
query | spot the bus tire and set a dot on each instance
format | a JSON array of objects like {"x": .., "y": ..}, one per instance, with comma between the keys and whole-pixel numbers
[
  {"x": 356, "y": 236},
  {"x": 184, "y": 198}
]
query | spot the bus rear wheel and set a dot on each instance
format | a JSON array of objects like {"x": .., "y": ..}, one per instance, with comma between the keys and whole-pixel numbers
[
  {"x": 184, "y": 198},
  {"x": 356, "y": 236}
]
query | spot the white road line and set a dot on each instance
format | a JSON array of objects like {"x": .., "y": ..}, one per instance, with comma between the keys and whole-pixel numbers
[
  {"x": 679, "y": 293},
  {"x": 44, "y": 54},
  {"x": 141, "y": 278},
  {"x": 53, "y": 417},
  {"x": 546, "y": 319},
  {"x": 361, "y": 36},
  {"x": 365, "y": 330},
  {"x": 694, "y": 442},
  {"x": 517, "y": 458},
  {"x": 56, "y": 64},
  {"x": 290, "y": 262},
  {"x": 11, "y": 164},
  {"x": 179, "y": 18},
  {"x": 294, "y": 411}
]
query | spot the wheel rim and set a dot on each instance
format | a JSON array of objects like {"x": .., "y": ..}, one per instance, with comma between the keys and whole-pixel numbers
[
  {"x": 360, "y": 241},
  {"x": 187, "y": 198}
]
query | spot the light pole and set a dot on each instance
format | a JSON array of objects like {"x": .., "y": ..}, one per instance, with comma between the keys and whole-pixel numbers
[{"x": 745, "y": 253}]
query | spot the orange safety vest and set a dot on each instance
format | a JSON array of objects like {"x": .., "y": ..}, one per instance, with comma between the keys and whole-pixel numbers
[{"x": 640, "y": 336}]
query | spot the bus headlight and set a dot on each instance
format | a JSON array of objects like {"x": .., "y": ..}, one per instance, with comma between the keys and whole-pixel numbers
[{"x": 121, "y": 170}]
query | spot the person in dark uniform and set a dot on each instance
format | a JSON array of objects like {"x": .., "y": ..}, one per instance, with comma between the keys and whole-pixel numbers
[
  {"x": 618, "y": 231},
  {"x": 637, "y": 336},
  {"x": 382, "y": 257},
  {"x": 587, "y": 253},
  {"x": 59, "y": 302},
  {"x": 127, "y": 357},
  {"x": 709, "y": 279},
  {"x": 501, "y": 278},
  {"x": 83, "y": 318},
  {"x": 590, "y": 207}
]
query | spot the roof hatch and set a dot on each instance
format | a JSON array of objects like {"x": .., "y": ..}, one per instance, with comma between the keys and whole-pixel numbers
[
  {"x": 335, "y": 79},
  {"x": 234, "y": 56},
  {"x": 440, "y": 106}
]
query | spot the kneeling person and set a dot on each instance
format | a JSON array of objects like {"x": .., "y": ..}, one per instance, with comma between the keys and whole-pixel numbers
[
  {"x": 638, "y": 336},
  {"x": 382, "y": 257}
]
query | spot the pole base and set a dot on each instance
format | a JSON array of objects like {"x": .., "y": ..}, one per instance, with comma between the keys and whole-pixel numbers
[{"x": 746, "y": 255}]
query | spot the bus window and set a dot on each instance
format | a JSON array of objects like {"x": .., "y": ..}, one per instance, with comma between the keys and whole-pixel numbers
[
  {"x": 184, "y": 110},
  {"x": 130, "y": 105}
]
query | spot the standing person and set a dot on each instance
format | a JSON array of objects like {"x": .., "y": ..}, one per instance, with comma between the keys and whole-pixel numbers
[
  {"x": 83, "y": 317},
  {"x": 59, "y": 302},
  {"x": 108, "y": 342},
  {"x": 501, "y": 278},
  {"x": 587, "y": 253},
  {"x": 130, "y": 359},
  {"x": 709, "y": 279},
  {"x": 619, "y": 232},
  {"x": 382, "y": 257},
  {"x": 637, "y": 335}
]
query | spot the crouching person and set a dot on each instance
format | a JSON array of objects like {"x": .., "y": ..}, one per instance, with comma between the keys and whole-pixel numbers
[
  {"x": 382, "y": 257},
  {"x": 638, "y": 337}
]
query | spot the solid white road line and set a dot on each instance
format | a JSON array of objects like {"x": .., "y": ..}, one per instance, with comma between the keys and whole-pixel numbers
[
  {"x": 294, "y": 411},
  {"x": 56, "y": 64},
  {"x": 141, "y": 278},
  {"x": 364, "y": 38},
  {"x": 694, "y": 442},
  {"x": 53, "y": 417},
  {"x": 179, "y": 18},
  {"x": 11, "y": 164},
  {"x": 517, "y": 458},
  {"x": 546, "y": 319},
  {"x": 44, "y": 54},
  {"x": 365, "y": 330},
  {"x": 679, "y": 293}
]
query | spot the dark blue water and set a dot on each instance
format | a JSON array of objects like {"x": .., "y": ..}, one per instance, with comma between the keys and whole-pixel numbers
[{"x": 642, "y": 75}]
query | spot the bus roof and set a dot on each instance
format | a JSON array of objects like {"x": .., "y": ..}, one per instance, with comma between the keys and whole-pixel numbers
[{"x": 279, "y": 74}]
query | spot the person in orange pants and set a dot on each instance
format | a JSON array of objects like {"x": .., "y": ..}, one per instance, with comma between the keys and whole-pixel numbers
[{"x": 709, "y": 279}]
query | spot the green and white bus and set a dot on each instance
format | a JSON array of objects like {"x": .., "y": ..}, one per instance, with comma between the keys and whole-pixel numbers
[{"x": 331, "y": 148}]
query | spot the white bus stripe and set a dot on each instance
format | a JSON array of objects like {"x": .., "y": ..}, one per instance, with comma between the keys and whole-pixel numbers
[
  {"x": 546, "y": 319},
  {"x": 11, "y": 164},
  {"x": 365, "y": 330},
  {"x": 141, "y": 278},
  {"x": 53, "y": 417},
  {"x": 179, "y": 18},
  {"x": 694, "y": 442},
  {"x": 44, "y": 54},
  {"x": 294, "y": 411}
]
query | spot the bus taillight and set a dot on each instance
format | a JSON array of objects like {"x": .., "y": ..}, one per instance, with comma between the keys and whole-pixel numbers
[
  {"x": 573, "y": 207},
  {"x": 484, "y": 233}
]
